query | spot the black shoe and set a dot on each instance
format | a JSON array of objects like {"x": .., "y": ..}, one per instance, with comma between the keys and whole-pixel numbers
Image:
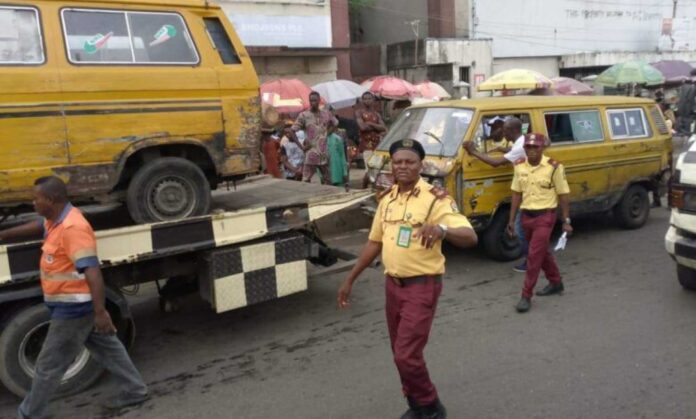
[
  {"x": 126, "y": 400},
  {"x": 524, "y": 305},
  {"x": 413, "y": 412},
  {"x": 435, "y": 410},
  {"x": 551, "y": 289}
]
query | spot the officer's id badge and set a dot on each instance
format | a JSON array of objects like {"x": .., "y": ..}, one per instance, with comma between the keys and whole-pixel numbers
[
  {"x": 404, "y": 237},
  {"x": 49, "y": 258}
]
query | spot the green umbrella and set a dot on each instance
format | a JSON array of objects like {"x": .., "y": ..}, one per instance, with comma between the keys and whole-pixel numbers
[{"x": 633, "y": 72}]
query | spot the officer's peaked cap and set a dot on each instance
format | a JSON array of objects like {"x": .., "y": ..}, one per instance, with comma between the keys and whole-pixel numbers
[{"x": 408, "y": 144}]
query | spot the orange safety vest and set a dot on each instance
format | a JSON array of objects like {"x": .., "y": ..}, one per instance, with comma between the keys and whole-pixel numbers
[{"x": 69, "y": 247}]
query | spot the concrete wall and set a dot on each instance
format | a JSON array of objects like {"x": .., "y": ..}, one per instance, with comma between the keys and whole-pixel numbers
[
  {"x": 547, "y": 66},
  {"x": 599, "y": 59},
  {"x": 385, "y": 22},
  {"x": 535, "y": 28},
  {"x": 311, "y": 70}
]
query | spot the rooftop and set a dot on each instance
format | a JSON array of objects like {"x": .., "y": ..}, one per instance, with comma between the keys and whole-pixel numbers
[{"x": 527, "y": 101}]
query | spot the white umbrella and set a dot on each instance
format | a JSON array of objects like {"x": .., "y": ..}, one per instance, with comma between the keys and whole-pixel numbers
[{"x": 340, "y": 93}]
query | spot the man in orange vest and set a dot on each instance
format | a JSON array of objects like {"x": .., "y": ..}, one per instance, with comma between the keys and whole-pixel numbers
[{"x": 74, "y": 293}]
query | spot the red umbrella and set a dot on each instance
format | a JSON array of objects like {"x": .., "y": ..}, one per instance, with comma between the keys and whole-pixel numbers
[
  {"x": 390, "y": 87},
  {"x": 431, "y": 90},
  {"x": 568, "y": 86},
  {"x": 286, "y": 95}
]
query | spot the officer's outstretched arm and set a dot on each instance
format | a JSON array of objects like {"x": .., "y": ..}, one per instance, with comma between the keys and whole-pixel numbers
[
  {"x": 462, "y": 237},
  {"x": 32, "y": 228},
  {"x": 371, "y": 250}
]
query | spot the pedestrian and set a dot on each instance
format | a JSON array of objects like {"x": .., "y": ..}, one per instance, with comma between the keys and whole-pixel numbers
[
  {"x": 687, "y": 94},
  {"x": 338, "y": 162},
  {"x": 372, "y": 129},
  {"x": 291, "y": 155},
  {"x": 539, "y": 186},
  {"x": 412, "y": 220},
  {"x": 512, "y": 131},
  {"x": 315, "y": 122},
  {"x": 74, "y": 292},
  {"x": 271, "y": 154}
]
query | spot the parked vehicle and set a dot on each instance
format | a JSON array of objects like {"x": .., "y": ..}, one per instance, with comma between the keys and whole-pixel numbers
[
  {"x": 147, "y": 102},
  {"x": 680, "y": 239},
  {"x": 615, "y": 150}
]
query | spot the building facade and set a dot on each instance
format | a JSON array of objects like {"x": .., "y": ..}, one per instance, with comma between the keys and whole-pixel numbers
[
  {"x": 555, "y": 37},
  {"x": 304, "y": 39}
]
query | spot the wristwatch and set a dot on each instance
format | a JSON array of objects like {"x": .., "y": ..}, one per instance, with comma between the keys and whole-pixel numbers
[
  {"x": 566, "y": 221},
  {"x": 444, "y": 230}
]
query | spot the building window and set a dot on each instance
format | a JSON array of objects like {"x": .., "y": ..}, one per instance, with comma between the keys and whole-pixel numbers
[
  {"x": 464, "y": 74},
  {"x": 627, "y": 123},
  {"x": 440, "y": 72},
  {"x": 20, "y": 36},
  {"x": 221, "y": 41},
  {"x": 579, "y": 127},
  {"x": 119, "y": 37}
]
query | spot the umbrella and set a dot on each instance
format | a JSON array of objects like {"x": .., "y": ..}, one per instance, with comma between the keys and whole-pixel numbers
[
  {"x": 514, "y": 79},
  {"x": 390, "y": 87},
  {"x": 632, "y": 72},
  {"x": 431, "y": 90},
  {"x": 568, "y": 86},
  {"x": 340, "y": 93},
  {"x": 675, "y": 71},
  {"x": 286, "y": 95}
]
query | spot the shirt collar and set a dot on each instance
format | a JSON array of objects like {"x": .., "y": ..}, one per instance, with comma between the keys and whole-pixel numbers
[
  {"x": 544, "y": 162},
  {"x": 420, "y": 186},
  {"x": 63, "y": 213}
]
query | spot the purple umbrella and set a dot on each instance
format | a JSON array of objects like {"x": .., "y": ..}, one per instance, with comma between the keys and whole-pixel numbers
[{"x": 675, "y": 71}]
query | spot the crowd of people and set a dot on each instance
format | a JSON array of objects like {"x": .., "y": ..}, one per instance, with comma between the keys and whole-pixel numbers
[{"x": 318, "y": 141}]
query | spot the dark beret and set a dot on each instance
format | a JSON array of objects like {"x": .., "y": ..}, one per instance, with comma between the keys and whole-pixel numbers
[
  {"x": 407, "y": 144},
  {"x": 535, "y": 139}
]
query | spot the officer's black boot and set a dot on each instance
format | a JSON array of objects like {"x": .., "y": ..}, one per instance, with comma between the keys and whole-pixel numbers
[
  {"x": 551, "y": 289},
  {"x": 524, "y": 305},
  {"x": 413, "y": 411},
  {"x": 435, "y": 410}
]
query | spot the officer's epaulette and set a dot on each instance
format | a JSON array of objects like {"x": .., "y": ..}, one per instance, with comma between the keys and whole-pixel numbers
[
  {"x": 520, "y": 160},
  {"x": 554, "y": 163},
  {"x": 440, "y": 193},
  {"x": 381, "y": 194}
]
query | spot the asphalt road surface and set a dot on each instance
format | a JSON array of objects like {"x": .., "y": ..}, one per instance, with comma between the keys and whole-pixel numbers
[{"x": 618, "y": 344}]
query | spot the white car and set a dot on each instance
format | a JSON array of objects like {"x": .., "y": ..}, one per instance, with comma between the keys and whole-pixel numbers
[{"x": 680, "y": 240}]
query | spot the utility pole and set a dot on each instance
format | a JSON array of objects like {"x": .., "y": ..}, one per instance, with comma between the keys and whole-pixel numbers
[{"x": 415, "y": 27}]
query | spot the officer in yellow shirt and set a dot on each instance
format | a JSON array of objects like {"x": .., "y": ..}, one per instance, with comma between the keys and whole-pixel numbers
[
  {"x": 412, "y": 220},
  {"x": 539, "y": 186},
  {"x": 497, "y": 141}
]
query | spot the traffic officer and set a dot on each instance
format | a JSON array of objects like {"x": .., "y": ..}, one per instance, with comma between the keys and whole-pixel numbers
[
  {"x": 74, "y": 293},
  {"x": 412, "y": 220},
  {"x": 539, "y": 186}
]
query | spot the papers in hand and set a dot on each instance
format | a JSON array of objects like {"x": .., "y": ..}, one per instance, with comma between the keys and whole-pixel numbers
[{"x": 561, "y": 242}]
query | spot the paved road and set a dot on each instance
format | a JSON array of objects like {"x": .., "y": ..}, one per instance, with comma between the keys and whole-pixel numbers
[{"x": 618, "y": 344}]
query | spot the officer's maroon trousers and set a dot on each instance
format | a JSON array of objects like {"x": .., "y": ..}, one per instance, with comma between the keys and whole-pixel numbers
[
  {"x": 537, "y": 231},
  {"x": 410, "y": 311}
]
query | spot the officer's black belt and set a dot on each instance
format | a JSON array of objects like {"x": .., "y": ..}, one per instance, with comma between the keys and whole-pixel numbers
[
  {"x": 536, "y": 213},
  {"x": 422, "y": 279}
]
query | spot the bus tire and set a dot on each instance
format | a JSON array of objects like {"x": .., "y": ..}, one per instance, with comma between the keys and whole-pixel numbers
[
  {"x": 166, "y": 189},
  {"x": 633, "y": 209},
  {"x": 20, "y": 344},
  {"x": 497, "y": 243}
]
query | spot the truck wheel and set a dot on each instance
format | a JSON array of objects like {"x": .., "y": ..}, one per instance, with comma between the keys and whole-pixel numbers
[
  {"x": 687, "y": 277},
  {"x": 497, "y": 243},
  {"x": 634, "y": 208},
  {"x": 168, "y": 188},
  {"x": 20, "y": 344}
]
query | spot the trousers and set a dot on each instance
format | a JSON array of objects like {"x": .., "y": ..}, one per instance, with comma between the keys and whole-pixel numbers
[
  {"x": 519, "y": 231},
  {"x": 64, "y": 341},
  {"x": 410, "y": 310},
  {"x": 538, "y": 230}
]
